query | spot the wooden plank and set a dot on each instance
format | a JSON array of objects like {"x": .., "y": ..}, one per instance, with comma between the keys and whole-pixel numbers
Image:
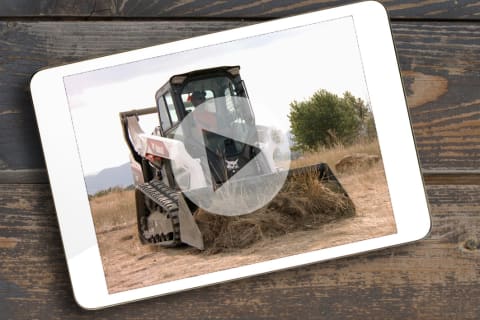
[
  {"x": 439, "y": 63},
  {"x": 436, "y": 278},
  {"x": 457, "y": 177},
  {"x": 24, "y": 176},
  {"x": 432, "y": 9},
  {"x": 441, "y": 77}
]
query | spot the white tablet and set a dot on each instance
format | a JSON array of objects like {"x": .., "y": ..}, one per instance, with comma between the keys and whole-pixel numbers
[{"x": 230, "y": 155}]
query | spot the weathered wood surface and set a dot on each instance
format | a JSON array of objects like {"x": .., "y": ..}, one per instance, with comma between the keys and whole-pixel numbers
[
  {"x": 440, "y": 64},
  {"x": 437, "y": 278},
  {"x": 411, "y": 9}
]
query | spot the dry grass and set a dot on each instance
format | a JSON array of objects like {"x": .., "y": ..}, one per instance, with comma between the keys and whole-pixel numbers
[
  {"x": 333, "y": 155},
  {"x": 113, "y": 209},
  {"x": 368, "y": 190}
]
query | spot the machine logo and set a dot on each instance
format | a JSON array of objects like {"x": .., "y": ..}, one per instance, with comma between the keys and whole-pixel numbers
[{"x": 232, "y": 165}]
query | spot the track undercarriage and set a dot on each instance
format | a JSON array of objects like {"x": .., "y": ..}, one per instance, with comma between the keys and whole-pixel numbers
[{"x": 157, "y": 214}]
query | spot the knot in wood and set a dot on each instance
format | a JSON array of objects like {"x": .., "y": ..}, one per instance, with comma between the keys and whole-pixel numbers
[{"x": 471, "y": 244}]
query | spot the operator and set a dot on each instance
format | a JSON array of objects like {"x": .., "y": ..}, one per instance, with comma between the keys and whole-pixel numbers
[
  {"x": 203, "y": 117},
  {"x": 207, "y": 115},
  {"x": 197, "y": 98}
]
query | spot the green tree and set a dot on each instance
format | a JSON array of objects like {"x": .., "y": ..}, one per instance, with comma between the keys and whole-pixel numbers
[{"x": 327, "y": 119}]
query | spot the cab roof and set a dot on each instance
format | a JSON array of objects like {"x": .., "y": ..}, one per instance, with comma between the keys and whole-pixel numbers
[{"x": 179, "y": 78}]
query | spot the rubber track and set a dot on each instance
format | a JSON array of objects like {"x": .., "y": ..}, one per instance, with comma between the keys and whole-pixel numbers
[{"x": 167, "y": 200}]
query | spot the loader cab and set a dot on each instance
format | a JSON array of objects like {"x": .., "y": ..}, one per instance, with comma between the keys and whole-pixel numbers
[{"x": 217, "y": 87}]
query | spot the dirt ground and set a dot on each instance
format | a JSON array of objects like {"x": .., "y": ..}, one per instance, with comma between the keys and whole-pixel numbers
[{"x": 128, "y": 264}]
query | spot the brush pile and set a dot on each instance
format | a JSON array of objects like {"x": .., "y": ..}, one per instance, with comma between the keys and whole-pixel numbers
[{"x": 304, "y": 203}]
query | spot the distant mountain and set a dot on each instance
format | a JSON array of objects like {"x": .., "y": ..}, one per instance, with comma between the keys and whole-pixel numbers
[{"x": 111, "y": 177}]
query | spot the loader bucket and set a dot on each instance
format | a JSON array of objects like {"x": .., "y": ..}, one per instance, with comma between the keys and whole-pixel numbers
[
  {"x": 310, "y": 197},
  {"x": 322, "y": 172},
  {"x": 245, "y": 195},
  {"x": 192, "y": 230}
]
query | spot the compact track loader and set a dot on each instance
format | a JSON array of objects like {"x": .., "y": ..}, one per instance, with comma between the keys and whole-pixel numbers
[{"x": 179, "y": 166}]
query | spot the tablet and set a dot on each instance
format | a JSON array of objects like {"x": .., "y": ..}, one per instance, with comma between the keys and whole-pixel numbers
[{"x": 230, "y": 155}]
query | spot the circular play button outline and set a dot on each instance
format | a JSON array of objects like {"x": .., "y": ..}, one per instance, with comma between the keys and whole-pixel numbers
[{"x": 249, "y": 186}]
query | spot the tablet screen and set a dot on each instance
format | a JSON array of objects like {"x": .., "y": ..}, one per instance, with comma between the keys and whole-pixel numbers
[{"x": 294, "y": 100}]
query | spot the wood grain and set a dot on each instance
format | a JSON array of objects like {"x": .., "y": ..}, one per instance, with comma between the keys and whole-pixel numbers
[
  {"x": 455, "y": 177},
  {"x": 432, "y": 9},
  {"x": 444, "y": 104},
  {"x": 440, "y": 64},
  {"x": 436, "y": 278}
]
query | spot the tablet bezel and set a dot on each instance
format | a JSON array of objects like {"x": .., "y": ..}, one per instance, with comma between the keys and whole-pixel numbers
[{"x": 394, "y": 131}]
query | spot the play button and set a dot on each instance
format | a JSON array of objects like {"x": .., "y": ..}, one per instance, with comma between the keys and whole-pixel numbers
[
  {"x": 236, "y": 157},
  {"x": 227, "y": 163}
]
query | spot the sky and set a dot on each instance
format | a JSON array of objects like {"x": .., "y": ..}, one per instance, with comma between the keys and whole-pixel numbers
[{"x": 277, "y": 68}]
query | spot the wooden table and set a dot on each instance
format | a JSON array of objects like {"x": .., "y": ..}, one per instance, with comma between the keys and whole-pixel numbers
[{"x": 438, "y": 46}]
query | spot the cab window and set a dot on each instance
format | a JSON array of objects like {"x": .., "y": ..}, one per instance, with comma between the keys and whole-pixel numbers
[
  {"x": 164, "y": 118},
  {"x": 171, "y": 108},
  {"x": 187, "y": 99}
]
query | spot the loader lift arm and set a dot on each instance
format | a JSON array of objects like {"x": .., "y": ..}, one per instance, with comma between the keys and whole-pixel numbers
[
  {"x": 124, "y": 120},
  {"x": 164, "y": 215}
]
